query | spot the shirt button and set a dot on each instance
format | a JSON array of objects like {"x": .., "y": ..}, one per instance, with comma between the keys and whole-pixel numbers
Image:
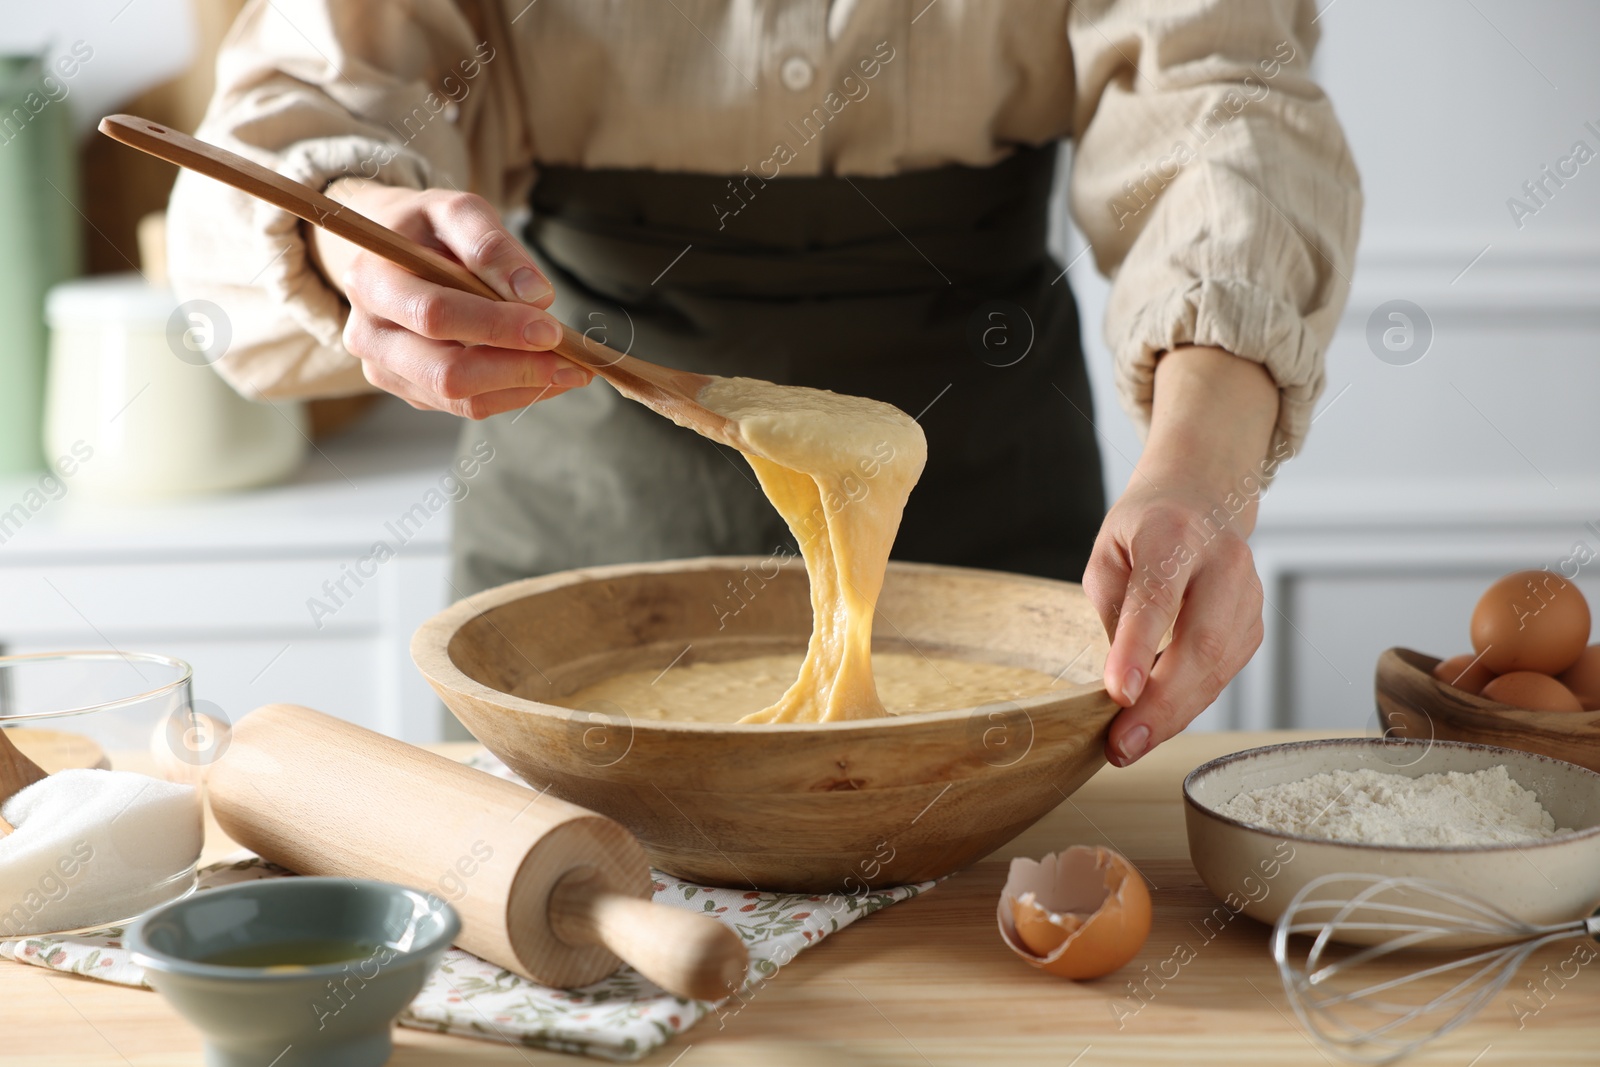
[{"x": 796, "y": 73}]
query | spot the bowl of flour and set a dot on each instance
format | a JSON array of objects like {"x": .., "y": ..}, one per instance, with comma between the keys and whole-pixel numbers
[{"x": 1519, "y": 829}]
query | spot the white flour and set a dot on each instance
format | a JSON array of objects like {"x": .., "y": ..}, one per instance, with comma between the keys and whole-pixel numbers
[{"x": 1369, "y": 807}]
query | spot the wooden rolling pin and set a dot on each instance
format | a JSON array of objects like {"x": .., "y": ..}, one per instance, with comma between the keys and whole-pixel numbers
[{"x": 546, "y": 889}]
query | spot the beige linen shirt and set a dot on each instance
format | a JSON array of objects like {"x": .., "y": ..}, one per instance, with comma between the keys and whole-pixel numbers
[{"x": 1210, "y": 175}]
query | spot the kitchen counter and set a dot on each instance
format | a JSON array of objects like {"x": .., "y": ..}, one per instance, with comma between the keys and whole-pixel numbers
[
  {"x": 928, "y": 981},
  {"x": 343, "y": 487}
]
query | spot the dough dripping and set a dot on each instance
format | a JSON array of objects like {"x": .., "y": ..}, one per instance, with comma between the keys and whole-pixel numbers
[{"x": 839, "y": 470}]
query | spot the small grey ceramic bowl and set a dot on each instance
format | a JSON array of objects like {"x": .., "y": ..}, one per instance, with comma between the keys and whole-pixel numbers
[
  {"x": 319, "y": 1014},
  {"x": 1258, "y": 871}
]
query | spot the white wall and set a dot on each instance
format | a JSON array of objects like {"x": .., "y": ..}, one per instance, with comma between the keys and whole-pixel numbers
[{"x": 1422, "y": 483}]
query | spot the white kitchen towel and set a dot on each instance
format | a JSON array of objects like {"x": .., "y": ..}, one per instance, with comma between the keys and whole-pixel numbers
[{"x": 618, "y": 1018}]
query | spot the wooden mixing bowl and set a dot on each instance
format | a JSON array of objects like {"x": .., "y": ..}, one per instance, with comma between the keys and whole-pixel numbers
[
  {"x": 815, "y": 807},
  {"x": 1412, "y": 703}
]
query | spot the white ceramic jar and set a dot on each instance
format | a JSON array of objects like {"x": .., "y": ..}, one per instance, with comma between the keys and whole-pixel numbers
[{"x": 134, "y": 392}]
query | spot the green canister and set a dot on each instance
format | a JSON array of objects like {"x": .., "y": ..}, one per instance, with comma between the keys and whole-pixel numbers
[{"x": 40, "y": 245}]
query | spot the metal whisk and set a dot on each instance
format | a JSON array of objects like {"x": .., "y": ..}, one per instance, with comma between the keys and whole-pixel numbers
[{"x": 1367, "y": 1013}]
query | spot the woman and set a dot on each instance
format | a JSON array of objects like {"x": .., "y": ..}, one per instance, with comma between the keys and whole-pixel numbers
[{"x": 847, "y": 194}]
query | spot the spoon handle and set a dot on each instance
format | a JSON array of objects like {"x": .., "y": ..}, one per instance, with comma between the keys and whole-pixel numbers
[
  {"x": 294, "y": 197},
  {"x": 667, "y": 390}
]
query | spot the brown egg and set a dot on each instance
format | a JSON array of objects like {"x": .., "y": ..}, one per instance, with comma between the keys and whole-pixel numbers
[
  {"x": 1463, "y": 672},
  {"x": 1530, "y": 621},
  {"x": 1583, "y": 678},
  {"x": 1078, "y": 914},
  {"x": 1531, "y": 690}
]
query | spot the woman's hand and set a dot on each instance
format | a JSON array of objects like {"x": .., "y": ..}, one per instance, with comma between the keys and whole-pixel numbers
[
  {"x": 438, "y": 348},
  {"x": 1172, "y": 552}
]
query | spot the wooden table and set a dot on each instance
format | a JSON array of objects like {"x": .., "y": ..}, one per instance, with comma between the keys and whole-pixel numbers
[{"x": 928, "y": 981}]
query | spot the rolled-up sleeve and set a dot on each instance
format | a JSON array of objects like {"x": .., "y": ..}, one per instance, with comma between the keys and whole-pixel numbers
[
  {"x": 405, "y": 94},
  {"x": 1215, "y": 186}
]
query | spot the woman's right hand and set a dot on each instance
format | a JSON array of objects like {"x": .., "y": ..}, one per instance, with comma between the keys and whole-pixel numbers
[{"x": 439, "y": 348}]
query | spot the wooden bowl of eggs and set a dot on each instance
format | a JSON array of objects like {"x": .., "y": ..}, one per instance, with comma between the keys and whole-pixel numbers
[
  {"x": 1532, "y": 682},
  {"x": 812, "y": 807}
]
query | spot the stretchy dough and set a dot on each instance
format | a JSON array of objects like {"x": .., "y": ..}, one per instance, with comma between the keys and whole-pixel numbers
[{"x": 838, "y": 469}]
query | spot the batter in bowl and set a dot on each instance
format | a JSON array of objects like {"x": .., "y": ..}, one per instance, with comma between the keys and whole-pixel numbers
[{"x": 726, "y": 691}]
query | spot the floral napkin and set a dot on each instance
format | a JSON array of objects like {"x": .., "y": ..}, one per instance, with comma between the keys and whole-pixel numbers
[{"x": 618, "y": 1018}]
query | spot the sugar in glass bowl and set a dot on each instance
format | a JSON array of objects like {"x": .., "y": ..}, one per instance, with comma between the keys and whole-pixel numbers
[{"x": 104, "y": 838}]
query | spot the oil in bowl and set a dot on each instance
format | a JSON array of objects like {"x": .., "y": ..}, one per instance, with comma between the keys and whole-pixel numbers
[{"x": 323, "y": 964}]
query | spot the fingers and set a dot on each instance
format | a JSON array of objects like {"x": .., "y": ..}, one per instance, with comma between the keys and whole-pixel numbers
[
  {"x": 1105, "y": 579},
  {"x": 446, "y": 350},
  {"x": 1147, "y": 590},
  {"x": 498, "y": 403},
  {"x": 480, "y": 406},
  {"x": 470, "y": 228},
  {"x": 471, "y": 381},
  {"x": 395, "y": 385},
  {"x": 386, "y": 292},
  {"x": 1217, "y": 631}
]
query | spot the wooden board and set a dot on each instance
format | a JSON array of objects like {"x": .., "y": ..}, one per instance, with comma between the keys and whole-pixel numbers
[{"x": 928, "y": 981}]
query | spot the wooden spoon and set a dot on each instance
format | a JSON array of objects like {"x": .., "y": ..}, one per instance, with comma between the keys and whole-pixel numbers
[
  {"x": 17, "y": 772},
  {"x": 670, "y": 392}
]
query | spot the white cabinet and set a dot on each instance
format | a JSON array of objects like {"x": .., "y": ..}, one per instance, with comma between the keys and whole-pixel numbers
[{"x": 272, "y": 594}]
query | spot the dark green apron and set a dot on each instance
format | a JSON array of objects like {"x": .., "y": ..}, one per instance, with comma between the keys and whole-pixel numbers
[{"x": 931, "y": 290}]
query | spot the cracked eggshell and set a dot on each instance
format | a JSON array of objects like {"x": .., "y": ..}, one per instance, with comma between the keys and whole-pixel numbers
[{"x": 1081, "y": 913}]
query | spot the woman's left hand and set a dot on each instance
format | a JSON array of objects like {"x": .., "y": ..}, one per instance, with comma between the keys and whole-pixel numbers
[
  {"x": 1172, "y": 553},
  {"x": 1165, "y": 559}
]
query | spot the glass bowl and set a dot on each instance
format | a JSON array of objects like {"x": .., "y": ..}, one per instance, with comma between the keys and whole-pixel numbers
[{"x": 94, "y": 849}]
